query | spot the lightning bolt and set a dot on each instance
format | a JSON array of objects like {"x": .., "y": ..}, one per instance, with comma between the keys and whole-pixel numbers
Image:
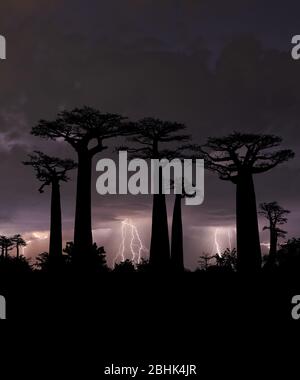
[
  {"x": 136, "y": 245},
  {"x": 24, "y": 248},
  {"x": 122, "y": 246},
  {"x": 229, "y": 239},
  {"x": 217, "y": 245}
]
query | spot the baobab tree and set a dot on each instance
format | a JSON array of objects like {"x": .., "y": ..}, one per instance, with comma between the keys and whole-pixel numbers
[
  {"x": 85, "y": 129},
  {"x": 236, "y": 158},
  {"x": 276, "y": 216},
  {"x": 177, "y": 251},
  {"x": 152, "y": 135},
  {"x": 177, "y": 262},
  {"x": 50, "y": 171},
  {"x": 18, "y": 242}
]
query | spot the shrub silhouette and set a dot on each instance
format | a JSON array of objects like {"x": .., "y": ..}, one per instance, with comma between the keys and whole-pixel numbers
[
  {"x": 227, "y": 260},
  {"x": 287, "y": 258},
  {"x": 224, "y": 262},
  {"x": 15, "y": 265},
  {"x": 143, "y": 266},
  {"x": 126, "y": 266}
]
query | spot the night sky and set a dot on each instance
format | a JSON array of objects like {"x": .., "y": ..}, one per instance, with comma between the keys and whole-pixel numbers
[{"x": 215, "y": 65}]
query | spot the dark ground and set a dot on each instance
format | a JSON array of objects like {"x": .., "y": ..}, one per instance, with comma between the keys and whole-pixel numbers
[{"x": 227, "y": 325}]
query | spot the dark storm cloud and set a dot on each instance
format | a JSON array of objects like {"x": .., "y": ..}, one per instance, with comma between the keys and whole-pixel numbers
[{"x": 196, "y": 62}]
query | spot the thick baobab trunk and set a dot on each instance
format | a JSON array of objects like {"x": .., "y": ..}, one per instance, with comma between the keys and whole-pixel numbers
[
  {"x": 55, "y": 249},
  {"x": 248, "y": 243},
  {"x": 177, "y": 264},
  {"x": 273, "y": 249},
  {"x": 18, "y": 251},
  {"x": 160, "y": 245},
  {"x": 273, "y": 242},
  {"x": 83, "y": 239}
]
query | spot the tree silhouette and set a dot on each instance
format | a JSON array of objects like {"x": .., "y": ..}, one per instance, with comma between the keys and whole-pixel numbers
[
  {"x": 6, "y": 245},
  {"x": 227, "y": 260},
  {"x": 85, "y": 129},
  {"x": 177, "y": 252},
  {"x": 18, "y": 242},
  {"x": 2, "y": 245},
  {"x": 276, "y": 216},
  {"x": 151, "y": 134},
  {"x": 204, "y": 261},
  {"x": 42, "y": 262},
  {"x": 51, "y": 171},
  {"x": 236, "y": 158},
  {"x": 177, "y": 262}
]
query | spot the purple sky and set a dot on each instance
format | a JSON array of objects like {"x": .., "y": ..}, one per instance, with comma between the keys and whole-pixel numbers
[{"x": 190, "y": 61}]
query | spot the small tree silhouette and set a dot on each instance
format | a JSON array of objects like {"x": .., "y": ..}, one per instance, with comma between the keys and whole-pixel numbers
[
  {"x": 80, "y": 128},
  {"x": 227, "y": 260},
  {"x": 18, "y": 242},
  {"x": 151, "y": 134},
  {"x": 2, "y": 245},
  {"x": 276, "y": 216},
  {"x": 7, "y": 245},
  {"x": 236, "y": 158},
  {"x": 51, "y": 171},
  {"x": 204, "y": 261},
  {"x": 42, "y": 262}
]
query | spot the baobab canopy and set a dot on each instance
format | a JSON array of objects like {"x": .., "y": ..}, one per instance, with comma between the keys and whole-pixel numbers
[{"x": 237, "y": 152}]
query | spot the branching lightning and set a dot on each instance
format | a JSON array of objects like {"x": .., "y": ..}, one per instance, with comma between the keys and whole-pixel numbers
[
  {"x": 217, "y": 245},
  {"x": 219, "y": 242},
  {"x": 136, "y": 245}
]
